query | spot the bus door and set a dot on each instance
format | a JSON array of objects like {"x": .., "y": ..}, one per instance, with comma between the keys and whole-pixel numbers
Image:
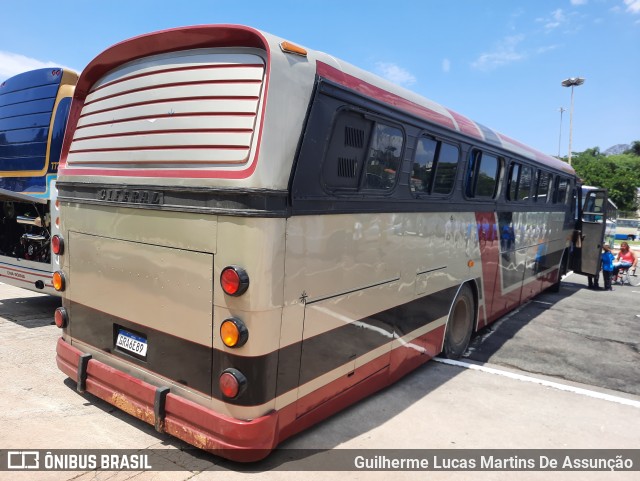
[{"x": 589, "y": 234}]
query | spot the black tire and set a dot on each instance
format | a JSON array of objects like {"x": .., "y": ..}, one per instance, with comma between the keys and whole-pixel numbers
[{"x": 460, "y": 324}]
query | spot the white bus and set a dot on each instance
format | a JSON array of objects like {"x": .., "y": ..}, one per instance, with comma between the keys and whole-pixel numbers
[{"x": 257, "y": 234}]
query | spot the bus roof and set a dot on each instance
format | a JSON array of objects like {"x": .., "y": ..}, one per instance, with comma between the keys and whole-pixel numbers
[{"x": 302, "y": 77}]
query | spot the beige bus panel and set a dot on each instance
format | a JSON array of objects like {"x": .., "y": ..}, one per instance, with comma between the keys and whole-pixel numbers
[
  {"x": 180, "y": 230},
  {"x": 167, "y": 289}
]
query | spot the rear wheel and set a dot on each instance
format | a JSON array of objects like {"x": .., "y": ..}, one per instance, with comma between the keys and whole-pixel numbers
[{"x": 460, "y": 324}]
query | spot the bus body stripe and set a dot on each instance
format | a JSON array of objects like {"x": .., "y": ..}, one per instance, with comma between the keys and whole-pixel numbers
[{"x": 165, "y": 351}]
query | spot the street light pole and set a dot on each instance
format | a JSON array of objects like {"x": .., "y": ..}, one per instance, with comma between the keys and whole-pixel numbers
[
  {"x": 562, "y": 110},
  {"x": 571, "y": 82}
]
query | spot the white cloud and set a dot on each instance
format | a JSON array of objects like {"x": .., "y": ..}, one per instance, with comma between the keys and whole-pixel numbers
[
  {"x": 395, "y": 74},
  {"x": 579, "y": 2},
  {"x": 505, "y": 53},
  {"x": 633, "y": 6},
  {"x": 446, "y": 65},
  {"x": 13, "y": 63},
  {"x": 557, "y": 19}
]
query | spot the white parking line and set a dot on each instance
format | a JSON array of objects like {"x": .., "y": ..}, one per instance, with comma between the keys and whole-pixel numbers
[{"x": 543, "y": 382}]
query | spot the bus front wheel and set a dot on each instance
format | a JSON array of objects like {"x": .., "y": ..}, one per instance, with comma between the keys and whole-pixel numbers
[{"x": 459, "y": 324}]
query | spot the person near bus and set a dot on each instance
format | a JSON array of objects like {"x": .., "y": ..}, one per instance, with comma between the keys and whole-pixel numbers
[
  {"x": 607, "y": 266},
  {"x": 625, "y": 259}
]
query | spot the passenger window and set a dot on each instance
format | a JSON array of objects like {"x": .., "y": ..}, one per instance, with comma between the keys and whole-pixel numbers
[
  {"x": 561, "y": 190},
  {"x": 524, "y": 186},
  {"x": 544, "y": 182},
  {"x": 484, "y": 172},
  {"x": 513, "y": 182},
  {"x": 435, "y": 163},
  {"x": 446, "y": 168},
  {"x": 384, "y": 158},
  {"x": 423, "y": 165}
]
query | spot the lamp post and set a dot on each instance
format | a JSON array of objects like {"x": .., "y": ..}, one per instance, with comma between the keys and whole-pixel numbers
[
  {"x": 571, "y": 82},
  {"x": 561, "y": 110}
]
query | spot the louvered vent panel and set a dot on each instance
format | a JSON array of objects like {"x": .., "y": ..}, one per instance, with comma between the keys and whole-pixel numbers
[
  {"x": 353, "y": 137},
  {"x": 347, "y": 167},
  {"x": 191, "y": 110}
]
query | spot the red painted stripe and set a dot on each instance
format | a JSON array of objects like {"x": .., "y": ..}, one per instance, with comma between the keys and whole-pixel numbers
[
  {"x": 164, "y": 132},
  {"x": 382, "y": 95},
  {"x": 183, "y": 114},
  {"x": 466, "y": 125},
  {"x": 177, "y": 69},
  {"x": 159, "y": 147},
  {"x": 176, "y": 84}
]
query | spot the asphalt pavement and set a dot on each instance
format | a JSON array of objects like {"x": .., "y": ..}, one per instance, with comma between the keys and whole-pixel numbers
[{"x": 560, "y": 373}]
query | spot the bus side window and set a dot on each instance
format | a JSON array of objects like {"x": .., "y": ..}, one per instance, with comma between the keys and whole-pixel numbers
[
  {"x": 524, "y": 186},
  {"x": 434, "y": 168},
  {"x": 446, "y": 168},
  {"x": 422, "y": 171},
  {"x": 483, "y": 175},
  {"x": 512, "y": 191},
  {"x": 385, "y": 157},
  {"x": 543, "y": 184}
]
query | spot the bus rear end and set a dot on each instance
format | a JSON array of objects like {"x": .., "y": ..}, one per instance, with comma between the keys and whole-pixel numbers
[{"x": 173, "y": 253}]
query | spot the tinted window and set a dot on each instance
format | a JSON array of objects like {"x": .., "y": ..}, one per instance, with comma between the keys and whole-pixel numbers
[
  {"x": 524, "y": 185},
  {"x": 422, "y": 171},
  {"x": 446, "y": 168},
  {"x": 544, "y": 182},
  {"x": 383, "y": 162},
  {"x": 561, "y": 190},
  {"x": 487, "y": 176},
  {"x": 512, "y": 193}
]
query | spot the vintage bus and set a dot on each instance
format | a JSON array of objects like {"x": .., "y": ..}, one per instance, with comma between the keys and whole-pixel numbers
[
  {"x": 33, "y": 115},
  {"x": 256, "y": 235}
]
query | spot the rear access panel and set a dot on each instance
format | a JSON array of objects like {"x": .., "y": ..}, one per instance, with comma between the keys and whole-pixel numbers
[{"x": 147, "y": 304}]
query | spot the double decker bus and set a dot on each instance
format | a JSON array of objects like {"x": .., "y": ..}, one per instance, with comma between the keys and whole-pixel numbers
[
  {"x": 33, "y": 115},
  {"x": 256, "y": 235}
]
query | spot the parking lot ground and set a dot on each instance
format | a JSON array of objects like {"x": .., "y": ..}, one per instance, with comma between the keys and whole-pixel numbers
[
  {"x": 579, "y": 334},
  {"x": 438, "y": 406}
]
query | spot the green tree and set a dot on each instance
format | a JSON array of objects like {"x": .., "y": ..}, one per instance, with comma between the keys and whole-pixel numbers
[
  {"x": 635, "y": 148},
  {"x": 619, "y": 174}
]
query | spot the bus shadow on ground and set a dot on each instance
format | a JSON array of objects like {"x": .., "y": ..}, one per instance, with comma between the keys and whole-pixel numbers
[{"x": 30, "y": 312}]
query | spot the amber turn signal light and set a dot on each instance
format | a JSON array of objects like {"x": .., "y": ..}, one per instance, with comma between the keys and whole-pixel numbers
[
  {"x": 233, "y": 332},
  {"x": 58, "y": 281}
]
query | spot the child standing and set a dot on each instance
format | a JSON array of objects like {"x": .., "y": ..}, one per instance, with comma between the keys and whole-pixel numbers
[{"x": 607, "y": 266}]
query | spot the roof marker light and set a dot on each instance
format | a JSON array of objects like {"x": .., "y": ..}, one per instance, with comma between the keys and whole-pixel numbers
[{"x": 288, "y": 47}]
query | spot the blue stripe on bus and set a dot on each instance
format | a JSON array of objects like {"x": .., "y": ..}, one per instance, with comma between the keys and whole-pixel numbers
[
  {"x": 27, "y": 108},
  {"x": 27, "y": 95},
  {"x": 489, "y": 135}
]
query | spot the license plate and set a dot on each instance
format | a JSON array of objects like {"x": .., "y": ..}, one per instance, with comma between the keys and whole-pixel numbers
[{"x": 131, "y": 343}]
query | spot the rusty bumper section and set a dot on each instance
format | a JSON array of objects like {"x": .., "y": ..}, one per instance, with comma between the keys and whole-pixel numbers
[{"x": 230, "y": 438}]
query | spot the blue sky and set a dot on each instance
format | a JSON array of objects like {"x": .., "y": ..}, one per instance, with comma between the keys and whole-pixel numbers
[{"x": 499, "y": 62}]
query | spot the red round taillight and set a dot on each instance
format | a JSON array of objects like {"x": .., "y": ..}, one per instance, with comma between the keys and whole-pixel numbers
[
  {"x": 60, "y": 317},
  {"x": 234, "y": 280},
  {"x": 57, "y": 245},
  {"x": 232, "y": 383}
]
